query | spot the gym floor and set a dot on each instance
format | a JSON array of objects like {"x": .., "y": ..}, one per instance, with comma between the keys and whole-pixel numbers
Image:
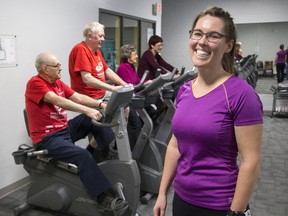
[{"x": 271, "y": 196}]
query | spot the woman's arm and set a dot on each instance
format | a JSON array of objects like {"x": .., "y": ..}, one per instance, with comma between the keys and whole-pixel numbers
[
  {"x": 164, "y": 64},
  {"x": 276, "y": 57},
  {"x": 153, "y": 63},
  {"x": 169, "y": 171},
  {"x": 249, "y": 139}
]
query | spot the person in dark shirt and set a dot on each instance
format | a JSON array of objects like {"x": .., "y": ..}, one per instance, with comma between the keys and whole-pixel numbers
[
  {"x": 286, "y": 64},
  {"x": 152, "y": 60},
  {"x": 238, "y": 51}
]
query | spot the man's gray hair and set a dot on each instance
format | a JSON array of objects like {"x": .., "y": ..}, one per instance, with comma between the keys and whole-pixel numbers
[
  {"x": 42, "y": 59},
  {"x": 92, "y": 27}
]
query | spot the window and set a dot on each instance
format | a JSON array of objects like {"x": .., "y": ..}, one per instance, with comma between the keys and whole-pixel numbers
[{"x": 123, "y": 29}]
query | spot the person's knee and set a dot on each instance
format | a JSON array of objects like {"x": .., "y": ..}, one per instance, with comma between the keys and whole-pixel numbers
[
  {"x": 83, "y": 154},
  {"x": 103, "y": 135}
]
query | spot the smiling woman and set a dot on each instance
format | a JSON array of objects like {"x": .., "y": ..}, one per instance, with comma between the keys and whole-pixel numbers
[
  {"x": 225, "y": 119},
  {"x": 218, "y": 38}
]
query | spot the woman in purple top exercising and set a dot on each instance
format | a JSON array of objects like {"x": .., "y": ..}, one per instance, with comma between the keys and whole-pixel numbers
[
  {"x": 218, "y": 118},
  {"x": 126, "y": 71}
]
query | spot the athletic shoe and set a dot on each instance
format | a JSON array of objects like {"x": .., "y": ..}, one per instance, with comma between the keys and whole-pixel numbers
[{"x": 117, "y": 205}]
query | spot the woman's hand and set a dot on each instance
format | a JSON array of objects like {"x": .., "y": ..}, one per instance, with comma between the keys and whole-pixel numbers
[{"x": 160, "y": 206}]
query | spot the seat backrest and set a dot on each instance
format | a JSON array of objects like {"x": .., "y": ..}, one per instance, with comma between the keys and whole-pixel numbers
[
  {"x": 260, "y": 65},
  {"x": 26, "y": 121},
  {"x": 268, "y": 65}
]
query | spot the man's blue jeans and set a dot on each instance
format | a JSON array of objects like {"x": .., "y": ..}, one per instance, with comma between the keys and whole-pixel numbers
[{"x": 60, "y": 145}]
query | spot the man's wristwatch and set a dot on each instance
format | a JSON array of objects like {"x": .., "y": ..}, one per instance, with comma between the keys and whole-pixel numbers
[{"x": 235, "y": 213}]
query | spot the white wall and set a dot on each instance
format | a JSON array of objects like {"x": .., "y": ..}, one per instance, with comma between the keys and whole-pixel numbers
[
  {"x": 46, "y": 25},
  {"x": 260, "y": 36},
  {"x": 263, "y": 39}
]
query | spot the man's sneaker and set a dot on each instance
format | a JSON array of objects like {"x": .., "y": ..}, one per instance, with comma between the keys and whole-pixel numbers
[
  {"x": 116, "y": 204},
  {"x": 99, "y": 156},
  {"x": 112, "y": 154}
]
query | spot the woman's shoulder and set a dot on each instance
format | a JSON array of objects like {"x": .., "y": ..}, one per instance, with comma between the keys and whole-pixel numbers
[
  {"x": 236, "y": 81},
  {"x": 125, "y": 67},
  {"x": 121, "y": 67},
  {"x": 237, "y": 85},
  {"x": 281, "y": 52},
  {"x": 186, "y": 86},
  {"x": 239, "y": 88}
]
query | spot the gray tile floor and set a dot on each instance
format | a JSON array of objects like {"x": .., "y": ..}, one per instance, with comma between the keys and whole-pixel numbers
[
  {"x": 271, "y": 195},
  {"x": 264, "y": 84}
]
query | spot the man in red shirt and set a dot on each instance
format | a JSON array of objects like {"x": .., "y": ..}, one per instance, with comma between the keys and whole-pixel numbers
[
  {"x": 47, "y": 101},
  {"x": 88, "y": 70}
]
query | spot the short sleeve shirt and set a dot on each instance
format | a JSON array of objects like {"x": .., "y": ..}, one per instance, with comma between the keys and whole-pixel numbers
[
  {"x": 82, "y": 58},
  {"x": 281, "y": 56},
  {"x": 204, "y": 127},
  {"x": 45, "y": 118}
]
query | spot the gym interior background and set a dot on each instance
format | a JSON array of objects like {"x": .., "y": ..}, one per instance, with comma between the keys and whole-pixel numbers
[{"x": 56, "y": 26}]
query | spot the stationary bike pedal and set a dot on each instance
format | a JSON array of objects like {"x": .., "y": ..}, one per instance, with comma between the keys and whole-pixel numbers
[
  {"x": 146, "y": 198},
  {"x": 20, "y": 209},
  {"x": 119, "y": 188}
]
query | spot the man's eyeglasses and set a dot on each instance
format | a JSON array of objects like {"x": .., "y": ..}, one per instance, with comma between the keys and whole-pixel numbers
[
  {"x": 97, "y": 36},
  {"x": 58, "y": 65},
  {"x": 210, "y": 36}
]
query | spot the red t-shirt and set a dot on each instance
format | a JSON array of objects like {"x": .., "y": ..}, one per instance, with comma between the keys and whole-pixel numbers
[
  {"x": 82, "y": 58},
  {"x": 45, "y": 118}
]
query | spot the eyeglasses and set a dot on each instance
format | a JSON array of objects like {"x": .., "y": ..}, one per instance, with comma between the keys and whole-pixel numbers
[
  {"x": 97, "y": 36},
  {"x": 133, "y": 54},
  {"x": 210, "y": 36},
  {"x": 160, "y": 44},
  {"x": 58, "y": 65}
]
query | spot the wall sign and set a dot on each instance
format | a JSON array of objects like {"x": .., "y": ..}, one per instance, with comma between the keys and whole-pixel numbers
[{"x": 8, "y": 51}]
